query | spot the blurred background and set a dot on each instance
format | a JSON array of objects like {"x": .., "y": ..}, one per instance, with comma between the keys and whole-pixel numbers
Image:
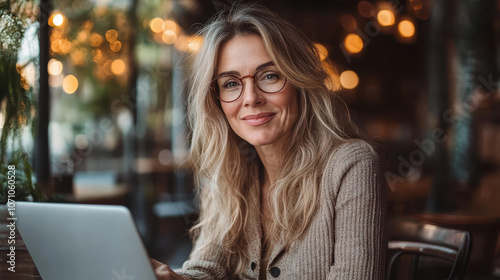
[{"x": 92, "y": 106}]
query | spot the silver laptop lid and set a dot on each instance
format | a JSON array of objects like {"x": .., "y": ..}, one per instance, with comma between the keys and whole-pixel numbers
[{"x": 73, "y": 241}]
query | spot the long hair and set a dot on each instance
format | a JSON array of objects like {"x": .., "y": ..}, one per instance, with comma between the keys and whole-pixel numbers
[{"x": 226, "y": 165}]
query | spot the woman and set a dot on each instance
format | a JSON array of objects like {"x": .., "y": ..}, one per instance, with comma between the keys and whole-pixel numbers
[{"x": 286, "y": 190}]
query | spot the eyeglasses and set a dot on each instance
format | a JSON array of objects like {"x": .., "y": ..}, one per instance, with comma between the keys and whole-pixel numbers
[{"x": 228, "y": 88}]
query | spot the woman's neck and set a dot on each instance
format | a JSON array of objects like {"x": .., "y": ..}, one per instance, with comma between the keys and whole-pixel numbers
[{"x": 270, "y": 158}]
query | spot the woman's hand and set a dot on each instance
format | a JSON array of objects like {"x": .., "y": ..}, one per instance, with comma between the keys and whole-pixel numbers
[{"x": 163, "y": 272}]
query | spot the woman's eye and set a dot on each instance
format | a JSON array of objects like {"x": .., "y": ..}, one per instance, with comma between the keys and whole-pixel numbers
[
  {"x": 270, "y": 76},
  {"x": 230, "y": 85}
]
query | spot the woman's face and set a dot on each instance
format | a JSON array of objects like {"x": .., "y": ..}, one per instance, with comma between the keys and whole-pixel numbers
[{"x": 259, "y": 118}]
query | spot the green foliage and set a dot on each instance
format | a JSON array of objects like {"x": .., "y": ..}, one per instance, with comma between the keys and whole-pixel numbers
[{"x": 16, "y": 99}]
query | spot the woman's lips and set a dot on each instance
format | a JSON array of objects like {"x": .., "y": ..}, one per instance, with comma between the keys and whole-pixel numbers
[{"x": 258, "y": 119}]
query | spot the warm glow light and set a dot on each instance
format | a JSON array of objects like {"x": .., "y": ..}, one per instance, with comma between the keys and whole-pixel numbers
[
  {"x": 78, "y": 56},
  {"x": 366, "y": 9},
  {"x": 70, "y": 84},
  {"x": 111, "y": 35},
  {"x": 349, "y": 79},
  {"x": 348, "y": 22},
  {"x": 97, "y": 54},
  {"x": 56, "y": 81},
  {"x": 115, "y": 46},
  {"x": 95, "y": 40},
  {"x": 194, "y": 43},
  {"x": 107, "y": 67},
  {"x": 156, "y": 25},
  {"x": 58, "y": 20},
  {"x": 56, "y": 34},
  {"x": 171, "y": 25},
  {"x": 353, "y": 43},
  {"x": 385, "y": 18},
  {"x": 83, "y": 35},
  {"x": 118, "y": 67},
  {"x": 169, "y": 37},
  {"x": 322, "y": 51},
  {"x": 406, "y": 28},
  {"x": 333, "y": 78},
  {"x": 64, "y": 45},
  {"x": 54, "y": 67},
  {"x": 29, "y": 74}
]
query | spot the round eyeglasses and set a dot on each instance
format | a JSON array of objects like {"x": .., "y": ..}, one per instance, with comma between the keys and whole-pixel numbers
[{"x": 227, "y": 88}]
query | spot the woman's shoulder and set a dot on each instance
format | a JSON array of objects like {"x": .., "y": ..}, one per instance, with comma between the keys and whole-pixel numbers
[
  {"x": 354, "y": 155},
  {"x": 352, "y": 151}
]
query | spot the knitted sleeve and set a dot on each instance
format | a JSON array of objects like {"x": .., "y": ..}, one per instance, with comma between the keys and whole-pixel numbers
[
  {"x": 360, "y": 213},
  {"x": 209, "y": 265}
]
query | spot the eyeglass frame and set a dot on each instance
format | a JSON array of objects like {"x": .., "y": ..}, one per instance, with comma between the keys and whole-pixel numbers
[{"x": 214, "y": 87}]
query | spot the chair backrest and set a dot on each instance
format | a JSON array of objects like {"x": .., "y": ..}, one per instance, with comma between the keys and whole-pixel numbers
[{"x": 413, "y": 244}]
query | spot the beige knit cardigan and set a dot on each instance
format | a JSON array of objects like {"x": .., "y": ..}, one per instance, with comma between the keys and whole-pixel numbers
[{"x": 345, "y": 239}]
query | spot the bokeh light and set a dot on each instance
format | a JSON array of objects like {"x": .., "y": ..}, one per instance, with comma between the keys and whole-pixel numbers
[
  {"x": 95, "y": 39},
  {"x": 115, "y": 46},
  {"x": 56, "y": 81},
  {"x": 171, "y": 25},
  {"x": 194, "y": 43},
  {"x": 406, "y": 28},
  {"x": 169, "y": 37},
  {"x": 348, "y": 22},
  {"x": 54, "y": 67},
  {"x": 322, "y": 51},
  {"x": 111, "y": 35},
  {"x": 385, "y": 18},
  {"x": 156, "y": 25},
  {"x": 366, "y": 9},
  {"x": 70, "y": 84},
  {"x": 58, "y": 20},
  {"x": 118, "y": 67},
  {"x": 353, "y": 43},
  {"x": 349, "y": 79}
]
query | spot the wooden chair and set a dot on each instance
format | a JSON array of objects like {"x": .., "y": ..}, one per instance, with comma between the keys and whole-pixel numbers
[{"x": 420, "y": 250}]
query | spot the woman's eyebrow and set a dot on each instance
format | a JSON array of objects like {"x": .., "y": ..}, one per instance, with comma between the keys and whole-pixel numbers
[{"x": 236, "y": 73}]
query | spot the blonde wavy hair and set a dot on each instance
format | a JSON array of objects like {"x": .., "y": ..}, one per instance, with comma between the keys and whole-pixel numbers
[{"x": 226, "y": 165}]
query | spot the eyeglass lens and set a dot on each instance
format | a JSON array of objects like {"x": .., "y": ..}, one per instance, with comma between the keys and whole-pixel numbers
[{"x": 268, "y": 80}]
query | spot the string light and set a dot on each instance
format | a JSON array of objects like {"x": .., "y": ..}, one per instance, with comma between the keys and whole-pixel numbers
[
  {"x": 349, "y": 79},
  {"x": 57, "y": 20},
  {"x": 95, "y": 39},
  {"x": 115, "y": 46},
  {"x": 353, "y": 43},
  {"x": 111, "y": 35},
  {"x": 70, "y": 84},
  {"x": 385, "y": 18},
  {"x": 118, "y": 67},
  {"x": 194, "y": 43},
  {"x": 171, "y": 25},
  {"x": 156, "y": 25},
  {"x": 56, "y": 81},
  {"x": 169, "y": 37},
  {"x": 366, "y": 9},
  {"x": 54, "y": 67},
  {"x": 322, "y": 51},
  {"x": 406, "y": 28}
]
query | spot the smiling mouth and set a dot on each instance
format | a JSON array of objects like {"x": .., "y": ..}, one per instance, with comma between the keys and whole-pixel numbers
[{"x": 259, "y": 119}]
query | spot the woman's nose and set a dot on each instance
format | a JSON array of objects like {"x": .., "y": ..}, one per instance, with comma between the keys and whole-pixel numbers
[{"x": 251, "y": 94}]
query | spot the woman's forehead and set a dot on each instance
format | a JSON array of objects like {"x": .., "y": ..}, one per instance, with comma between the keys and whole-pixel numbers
[{"x": 242, "y": 54}]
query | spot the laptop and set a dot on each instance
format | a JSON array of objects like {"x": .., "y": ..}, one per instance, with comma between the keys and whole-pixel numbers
[{"x": 82, "y": 242}]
